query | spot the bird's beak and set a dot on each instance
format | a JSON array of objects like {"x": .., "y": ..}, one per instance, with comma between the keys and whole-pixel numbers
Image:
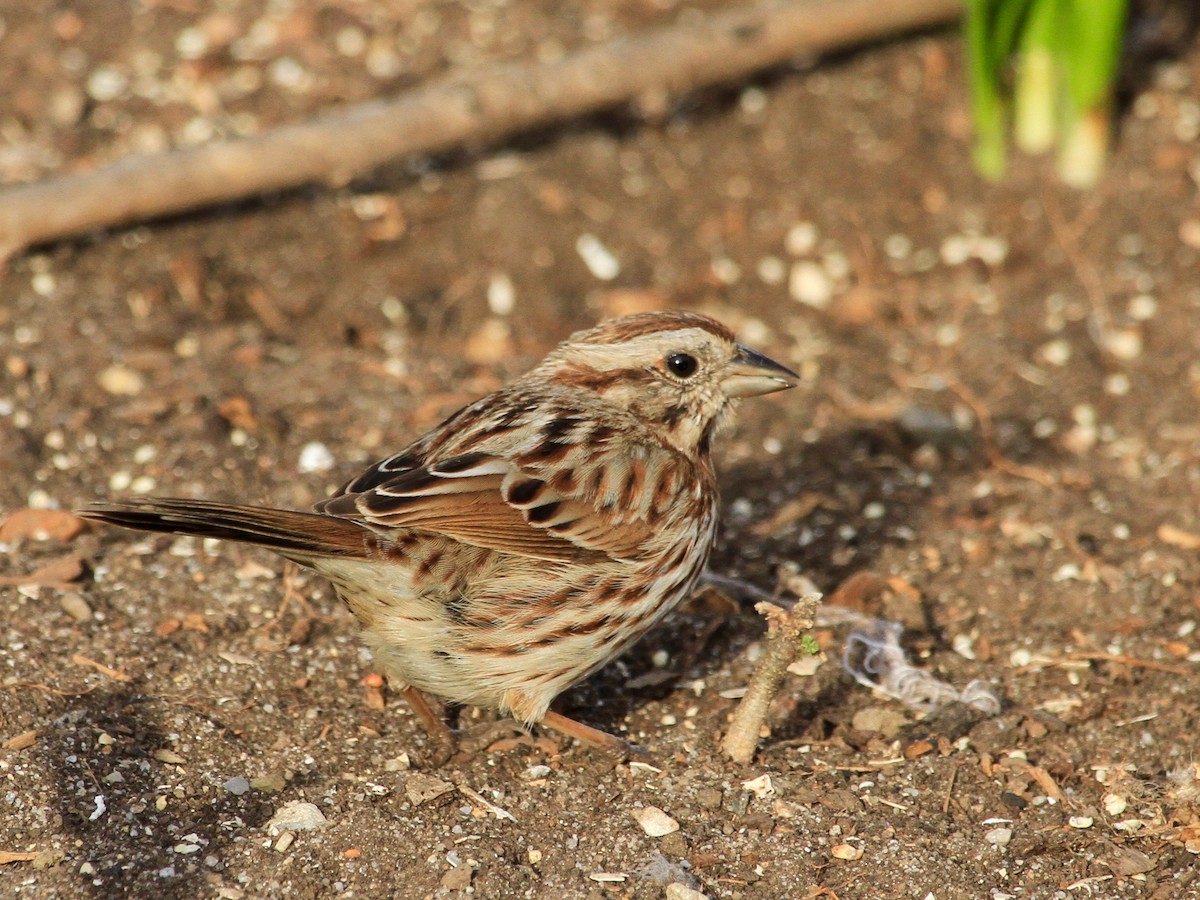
[{"x": 751, "y": 374}]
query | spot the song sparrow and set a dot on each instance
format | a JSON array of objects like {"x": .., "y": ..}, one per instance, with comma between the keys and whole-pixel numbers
[{"x": 532, "y": 536}]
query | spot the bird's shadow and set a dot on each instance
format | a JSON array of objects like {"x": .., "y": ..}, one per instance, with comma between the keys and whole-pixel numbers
[{"x": 131, "y": 806}]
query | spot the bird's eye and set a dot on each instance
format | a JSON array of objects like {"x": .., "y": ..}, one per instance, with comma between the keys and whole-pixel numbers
[{"x": 682, "y": 365}]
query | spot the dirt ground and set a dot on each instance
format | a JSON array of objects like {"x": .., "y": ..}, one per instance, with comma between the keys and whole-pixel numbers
[{"x": 998, "y": 419}]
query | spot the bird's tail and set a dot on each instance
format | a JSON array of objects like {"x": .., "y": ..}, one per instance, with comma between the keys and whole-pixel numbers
[{"x": 296, "y": 535}]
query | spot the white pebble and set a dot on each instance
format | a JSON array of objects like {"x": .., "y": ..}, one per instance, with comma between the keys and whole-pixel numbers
[
  {"x": 1124, "y": 343},
  {"x": 315, "y": 457},
  {"x": 810, "y": 284},
  {"x": 677, "y": 890},
  {"x": 1189, "y": 233},
  {"x": 998, "y": 837},
  {"x": 771, "y": 270},
  {"x": 992, "y": 250},
  {"x": 1081, "y": 821},
  {"x": 1114, "y": 804},
  {"x": 1057, "y": 353},
  {"x": 726, "y": 271},
  {"x": 106, "y": 83},
  {"x": 43, "y": 284},
  {"x": 237, "y": 785},
  {"x": 101, "y": 808},
  {"x": 963, "y": 645},
  {"x": 837, "y": 264},
  {"x": 801, "y": 238},
  {"x": 599, "y": 259},
  {"x": 897, "y": 246},
  {"x": 350, "y": 41},
  {"x": 753, "y": 100},
  {"x": 1020, "y": 658},
  {"x": 143, "y": 484},
  {"x": 121, "y": 382},
  {"x": 191, "y": 43},
  {"x": 287, "y": 73},
  {"x": 501, "y": 295},
  {"x": 296, "y": 816},
  {"x": 874, "y": 511},
  {"x": 1143, "y": 307},
  {"x": 956, "y": 250},
  {"x": 1117, "y": 384},
  {"x": 655, "y": 822},
  {"x": 383, "y": 62}
]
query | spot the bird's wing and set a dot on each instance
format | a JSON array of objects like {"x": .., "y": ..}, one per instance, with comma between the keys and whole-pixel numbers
[{"x": 491, "y": 501}]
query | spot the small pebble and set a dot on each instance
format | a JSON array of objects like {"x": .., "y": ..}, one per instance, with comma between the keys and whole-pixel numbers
[
  {"x": 846, "y": 852},
  {"x": 771, "y": 270},
  {"x": 810, "y": 284},
  {"x": 501, "y": 295},
  {"x": 1189, "y": 233},
  {"x": 677, "y": 890},
  {"x": 1117, "y": 384},
  {"x": 315, "y": 457},
  {"x": 1056, "y": 353},
  {"x": 599, "y": 260},
  {"x": 237, "y": 785},
  {"x": 1123, "y": 343},
  {"x": 897, "y": 246},
  {"x": 956, "y": 250},
  {"x": 1081, "y": 821},
  {"x": 269, "y": 784},
  {"x": 75, "y": 606},
  {"x": 106, "y": 83},
  {"x": 655, "y": 822},
  {"x": 998, "y": 837},
  {"x": 296, "y": 816},
  {"x": 801, "y": 238},
  {"x": 1143, "y": 307},
  {"x": 963, "y": 645},
  {"x": 120, "y": 381}
]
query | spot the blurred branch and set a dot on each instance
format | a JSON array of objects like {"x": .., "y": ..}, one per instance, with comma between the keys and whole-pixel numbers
[{"x": 480, "y": 105}]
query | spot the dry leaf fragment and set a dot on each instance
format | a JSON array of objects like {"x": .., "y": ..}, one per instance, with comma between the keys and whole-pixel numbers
[
  {"x": 846, "y": 852},
  {"x": 21, "y": 741},
  {"x": 236, "y": 411},
  {"x": 40, "y": 524},
  {"x": 57, "y": 573},
  {"x": 422, "y": 788},
  {"x": 80, "y": 660},
  {"x": 790, "y": 512},
  {"x": 1177, "y": 537},
  {"x": 12, "y": 856}
]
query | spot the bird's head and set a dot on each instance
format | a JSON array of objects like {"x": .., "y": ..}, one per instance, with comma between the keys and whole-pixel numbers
[{"x": 676, "y": 371}]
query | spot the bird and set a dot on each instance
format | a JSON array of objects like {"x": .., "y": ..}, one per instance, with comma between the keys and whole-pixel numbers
[{"x": 532, "y": 536}]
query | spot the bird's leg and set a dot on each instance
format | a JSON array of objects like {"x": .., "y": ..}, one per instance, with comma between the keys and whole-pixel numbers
[
  {"x": 442, "y": 734},
  {"x": 593, "y": 737}
]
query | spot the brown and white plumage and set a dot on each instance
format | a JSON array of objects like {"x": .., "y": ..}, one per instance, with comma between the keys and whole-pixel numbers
[{"x": 534, "y": 534}]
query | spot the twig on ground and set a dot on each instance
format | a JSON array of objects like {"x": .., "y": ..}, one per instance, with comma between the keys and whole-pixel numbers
[
  {"x": 786, "y": 632},
  {"x": 472, "y": 107},
  {"x": 80, "y": 660}
]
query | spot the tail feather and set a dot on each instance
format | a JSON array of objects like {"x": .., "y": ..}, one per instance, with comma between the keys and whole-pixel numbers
[{"x": 292, "y": 534}]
